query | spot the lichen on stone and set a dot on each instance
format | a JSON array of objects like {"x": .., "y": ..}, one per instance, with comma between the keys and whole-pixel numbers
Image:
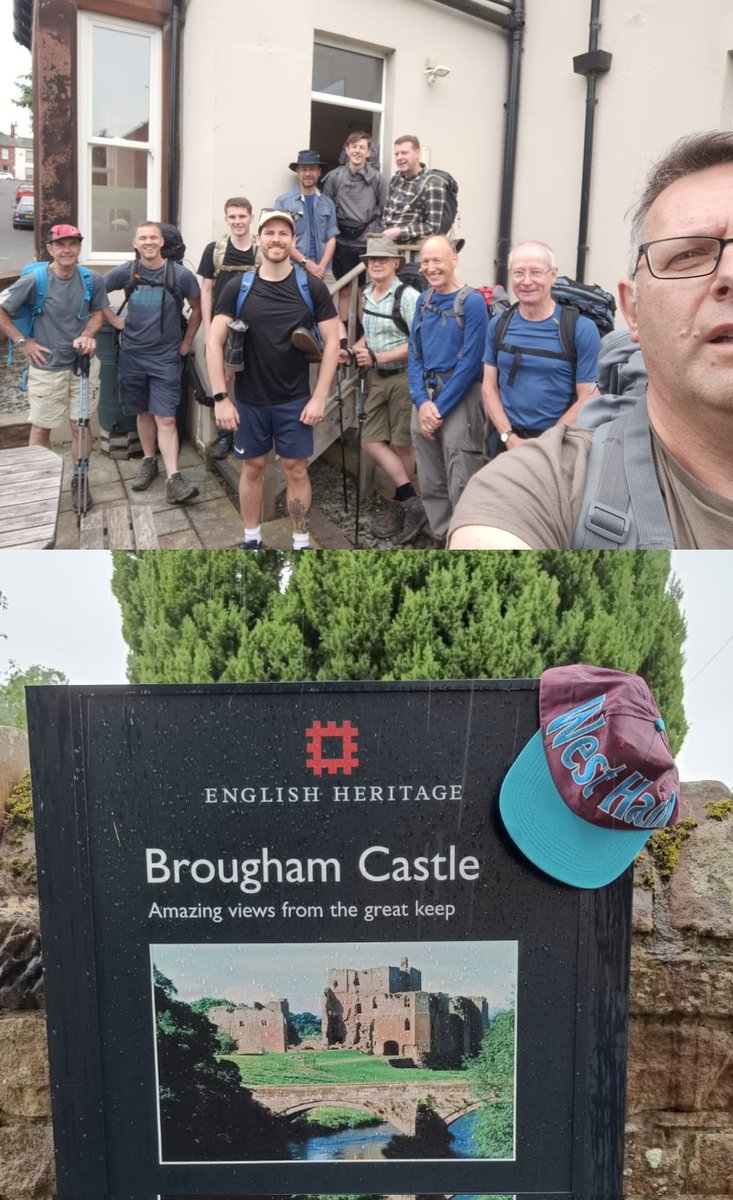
[
  {"x": 664, "y": 845},
  {"x": 718, "y": 810},
  {"x": 19, "y": 809}
]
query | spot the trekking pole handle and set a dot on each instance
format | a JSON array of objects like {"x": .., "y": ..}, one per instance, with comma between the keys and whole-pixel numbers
[
  {"x": 362, "y": 393},
  {"x": 81, "y": 363}
]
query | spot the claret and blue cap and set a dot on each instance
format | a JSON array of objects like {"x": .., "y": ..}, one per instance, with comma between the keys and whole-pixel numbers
[{"x": 595, "y": 781}]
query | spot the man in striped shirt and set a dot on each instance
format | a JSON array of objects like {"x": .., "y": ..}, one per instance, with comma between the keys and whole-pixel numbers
[
  {"x": 389, "y": 307},
  {"x": 416, "y": 197}
]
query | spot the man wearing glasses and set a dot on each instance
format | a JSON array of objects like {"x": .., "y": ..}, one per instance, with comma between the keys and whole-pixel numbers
[
  {"x": 543, "y": 367},
  {"x": 678, "y": 304}
]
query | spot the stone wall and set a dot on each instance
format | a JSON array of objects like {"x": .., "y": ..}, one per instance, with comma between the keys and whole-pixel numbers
[{"x": 679, "y": 1134}]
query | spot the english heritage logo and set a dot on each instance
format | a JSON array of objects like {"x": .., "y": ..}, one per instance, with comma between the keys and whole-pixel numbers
[{"x": 320, "y": 756}]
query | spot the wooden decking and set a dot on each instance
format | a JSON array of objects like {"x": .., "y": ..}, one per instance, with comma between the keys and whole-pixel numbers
[
  {"x": 119, "y": 527},
  {"x": 30, "y": 490}
]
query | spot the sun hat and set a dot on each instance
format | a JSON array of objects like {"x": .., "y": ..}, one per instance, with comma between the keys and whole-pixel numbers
[
  {"x": 57, "y": 232},
  {"x": 589, "y": 789},
  {"x": 378, "y": 247},
  {"x": 307, "y": 158}
]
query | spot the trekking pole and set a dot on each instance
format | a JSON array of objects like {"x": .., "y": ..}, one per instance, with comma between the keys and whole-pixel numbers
[
  {"x": 81, "y": 368},
  {"x": 340, "y": 398},
  {"x": 362, "y": 418}
]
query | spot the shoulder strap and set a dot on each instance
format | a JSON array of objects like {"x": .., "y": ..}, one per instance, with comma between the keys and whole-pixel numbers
[
  {"x": 303, "y": 280},
  {"x": 501, "y": 325},
  {"x": 623, "y": 505},
  {"x": 220, "y": 249},
  {"x": 422, "y": 306},
  {"x": 245, "y": 286},
  {"x": 459, "y": 304},
  {"x": 88, "y": 283},
  {"x": 567, "y": 325}
]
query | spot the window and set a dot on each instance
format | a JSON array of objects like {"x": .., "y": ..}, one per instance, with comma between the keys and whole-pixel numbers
[
  {"x": 119, "y": 132},
  {"x": 347, "y": 95}
]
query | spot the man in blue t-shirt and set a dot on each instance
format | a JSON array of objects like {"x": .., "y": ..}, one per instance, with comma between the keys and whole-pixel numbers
[
  {"x": 530, "y": 383},
  {"x": 444, "y": 371}
]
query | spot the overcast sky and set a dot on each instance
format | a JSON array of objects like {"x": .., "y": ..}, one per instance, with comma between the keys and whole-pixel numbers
[
  {"x": 16, "y": 61},
  {"x": 61, "y": 613}
]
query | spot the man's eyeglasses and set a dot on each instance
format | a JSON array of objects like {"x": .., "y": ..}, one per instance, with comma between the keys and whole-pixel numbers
[
  {"x": 532, "y": 273},
  {"x": 683, "y": 257}
]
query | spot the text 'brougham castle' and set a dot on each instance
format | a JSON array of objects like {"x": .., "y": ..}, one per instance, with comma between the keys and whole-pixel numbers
[{"x": 380, "y": 1010}]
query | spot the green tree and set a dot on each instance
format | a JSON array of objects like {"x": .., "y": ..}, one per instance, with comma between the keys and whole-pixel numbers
[
  {"x": 24, "y": 87},
  {"x": 205, "y": 1113},
  {"x": 209, "y": 616},
  {"x": 491, "y": 1074},
  {"x": 12, "y": 690}
]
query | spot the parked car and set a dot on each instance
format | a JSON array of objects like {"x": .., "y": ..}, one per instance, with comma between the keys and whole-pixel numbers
[
  {"x": 23, "y": 214},
  {"x": 24, "y": 189}
]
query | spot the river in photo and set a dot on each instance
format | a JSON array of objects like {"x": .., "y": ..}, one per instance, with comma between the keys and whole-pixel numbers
[{"x": 368, "y": 1142}]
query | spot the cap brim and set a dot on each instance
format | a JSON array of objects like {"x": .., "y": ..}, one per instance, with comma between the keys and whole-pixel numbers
[{"x": 550, "y": 834}]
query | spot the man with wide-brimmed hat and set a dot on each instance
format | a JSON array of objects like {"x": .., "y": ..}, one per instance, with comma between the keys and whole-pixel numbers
[
  {"x": 389, "y": 307},
  {"x": 313, "y": 213},
  {"x": 68, "y": 300}
]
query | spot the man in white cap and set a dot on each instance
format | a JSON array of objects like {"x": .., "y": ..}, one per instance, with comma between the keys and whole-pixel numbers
[
  {"x": 273, "y": 399},
  {"x": 388, "y": 311},
  {"x": 71, "y": 299}
]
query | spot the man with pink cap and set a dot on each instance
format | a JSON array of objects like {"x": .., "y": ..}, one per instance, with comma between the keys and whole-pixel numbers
[{"x": 68, "y": 301}]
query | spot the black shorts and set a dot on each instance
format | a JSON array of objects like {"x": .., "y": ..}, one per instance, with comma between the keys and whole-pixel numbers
[{"x": 345, "y": 258}]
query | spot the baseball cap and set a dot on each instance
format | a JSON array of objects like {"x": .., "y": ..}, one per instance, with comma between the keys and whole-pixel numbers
[
  {"x": 272, "y": 214},
  {"x": 56, "y": 232},
  {"x": 589, "y": 789}
]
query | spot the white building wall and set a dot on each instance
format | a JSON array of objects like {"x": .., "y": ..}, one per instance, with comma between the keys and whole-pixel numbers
[{"x": 246, "y": 107}]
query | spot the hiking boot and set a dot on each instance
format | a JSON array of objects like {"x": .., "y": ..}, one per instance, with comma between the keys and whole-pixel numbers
[
  {"x": 222, "y": 443},
  {"x": 253, "y": 545},
  {"x": 148, "y": 471},
  {"x": 75, "y": 494},
  {"x": 177, "y": 491},
  {"x": 414, "y": 519},
  {"x": 391, "y": 521},
  {"x": 304, "y": 340}
]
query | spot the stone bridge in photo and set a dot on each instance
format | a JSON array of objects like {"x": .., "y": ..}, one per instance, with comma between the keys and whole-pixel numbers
[{"x": 396, "y": 1103}]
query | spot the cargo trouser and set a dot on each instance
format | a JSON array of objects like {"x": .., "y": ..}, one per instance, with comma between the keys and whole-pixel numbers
[{"x": 445, "y": 464}]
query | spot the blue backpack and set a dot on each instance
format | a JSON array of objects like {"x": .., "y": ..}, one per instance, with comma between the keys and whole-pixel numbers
[
  {"x": 25, "y": 318},
  {"x": 301, "y": 277}
]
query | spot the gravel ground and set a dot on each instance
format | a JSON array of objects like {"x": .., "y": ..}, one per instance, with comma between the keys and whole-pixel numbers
[{"x": 12, "y": 400}]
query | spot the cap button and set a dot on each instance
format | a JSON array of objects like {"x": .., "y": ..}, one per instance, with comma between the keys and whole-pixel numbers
[{"x": 659, "y": 724}]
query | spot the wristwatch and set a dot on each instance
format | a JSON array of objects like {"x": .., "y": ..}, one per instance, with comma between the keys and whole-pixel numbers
[
  {"x": 504, "y": 437},
  {"x": 220, "y": 396},
  {"x": 20, "y": 342}
]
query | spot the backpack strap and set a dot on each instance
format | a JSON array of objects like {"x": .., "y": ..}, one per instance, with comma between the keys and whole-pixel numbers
[
  {"x": 245, "y": 286},
  {"x": 623, "y": 505},
  {"x": 220, "y": 249},
  {"x": 566, "y": 332},
  {"x": 566, "y": 328},
  {"x": 396, "y": 314}
]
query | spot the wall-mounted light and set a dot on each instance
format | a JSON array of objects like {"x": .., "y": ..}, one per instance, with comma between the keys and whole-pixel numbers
[{"x": 434, "y": 70}]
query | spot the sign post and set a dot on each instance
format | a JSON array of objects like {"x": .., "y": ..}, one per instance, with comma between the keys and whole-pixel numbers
[{"x": 290, "y": 949}]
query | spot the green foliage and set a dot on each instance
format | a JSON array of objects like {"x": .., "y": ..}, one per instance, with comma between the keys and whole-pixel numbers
[
  {"x": 19, "y": 809},
  {"x": 331, "y": 1120},
  {"x": 205, "y": 1113},
  {"x": 208, "y": 1002},
  {"x": 24, "y": 869},
  {"x": 191, "y": 616},
  {"x": 12, "y": 693},
  {"x": 492, "y": 1077},
  {"x": 187, "y": 613},
  {"x": 24, "y": 87},
  {"x": 306, "y": 1024}
]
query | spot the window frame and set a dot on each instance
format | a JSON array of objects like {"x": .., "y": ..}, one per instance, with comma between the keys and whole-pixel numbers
[
  {"x": 87, "y": 22},
  {"x": 370, "y": 106}
]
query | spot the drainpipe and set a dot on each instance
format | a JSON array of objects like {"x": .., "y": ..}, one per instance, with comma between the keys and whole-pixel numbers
[
  {"x": 513, "y": 22},
  {"x": 174, "y": 114},
  {"x": 592, "y": 64}
]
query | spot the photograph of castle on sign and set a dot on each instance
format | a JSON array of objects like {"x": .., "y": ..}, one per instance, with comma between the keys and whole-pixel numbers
[{"x": 335, "y": 1051}]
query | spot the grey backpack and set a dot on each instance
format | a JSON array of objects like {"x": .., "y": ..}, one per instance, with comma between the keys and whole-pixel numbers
[{"x": 623, "y": 506}]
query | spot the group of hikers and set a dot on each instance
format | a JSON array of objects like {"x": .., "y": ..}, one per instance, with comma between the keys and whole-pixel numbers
[{"x": 616, "y": 443}]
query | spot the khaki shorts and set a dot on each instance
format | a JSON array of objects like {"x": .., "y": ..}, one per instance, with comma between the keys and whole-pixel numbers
[
  {"x": 388, "y": 409},
  {"x": 53, "y": 396}
]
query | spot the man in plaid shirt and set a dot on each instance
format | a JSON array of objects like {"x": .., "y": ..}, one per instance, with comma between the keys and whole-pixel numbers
[{"x": 414, "y": 204}]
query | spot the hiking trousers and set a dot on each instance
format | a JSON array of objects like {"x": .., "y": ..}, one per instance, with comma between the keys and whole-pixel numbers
[{"x": 445, "y": 464}]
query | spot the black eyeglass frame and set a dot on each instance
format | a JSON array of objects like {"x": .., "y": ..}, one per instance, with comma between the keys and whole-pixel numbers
[{"x": 644, "y": 249}]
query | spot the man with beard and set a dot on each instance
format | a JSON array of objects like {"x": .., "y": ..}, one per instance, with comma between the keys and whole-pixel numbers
[{"x": 273, "y": 400}]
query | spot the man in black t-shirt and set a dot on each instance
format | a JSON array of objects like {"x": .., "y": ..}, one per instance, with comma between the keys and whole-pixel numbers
[
  {"x": 273, "y": 400},
  {"x": 230, "y": 255}
]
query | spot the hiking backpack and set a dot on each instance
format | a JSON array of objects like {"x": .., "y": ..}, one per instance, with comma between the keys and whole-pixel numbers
[
  {"x": 220, "y": 249},
  {"x": 424, "y": 305},
  {"x": 301, "y": 278},
  {"x": 172, "y": 251},
  {"x": 25, "y": 318},
  {"x": 450, "y": 195},
  {"x": 589, "y": 299}
]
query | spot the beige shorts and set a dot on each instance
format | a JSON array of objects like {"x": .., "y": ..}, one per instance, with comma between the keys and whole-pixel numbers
[
  {"x": 53, "y": 396},
  {"x": 388, "y": 409}
]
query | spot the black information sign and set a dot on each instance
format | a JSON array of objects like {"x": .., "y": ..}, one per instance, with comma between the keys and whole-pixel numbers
[{"x": 289, "y": 949}]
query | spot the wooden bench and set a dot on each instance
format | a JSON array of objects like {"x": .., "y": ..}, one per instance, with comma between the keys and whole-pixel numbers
[
  {"x": 30, "y": 490},
  {"x": 118, "y": 527}
]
